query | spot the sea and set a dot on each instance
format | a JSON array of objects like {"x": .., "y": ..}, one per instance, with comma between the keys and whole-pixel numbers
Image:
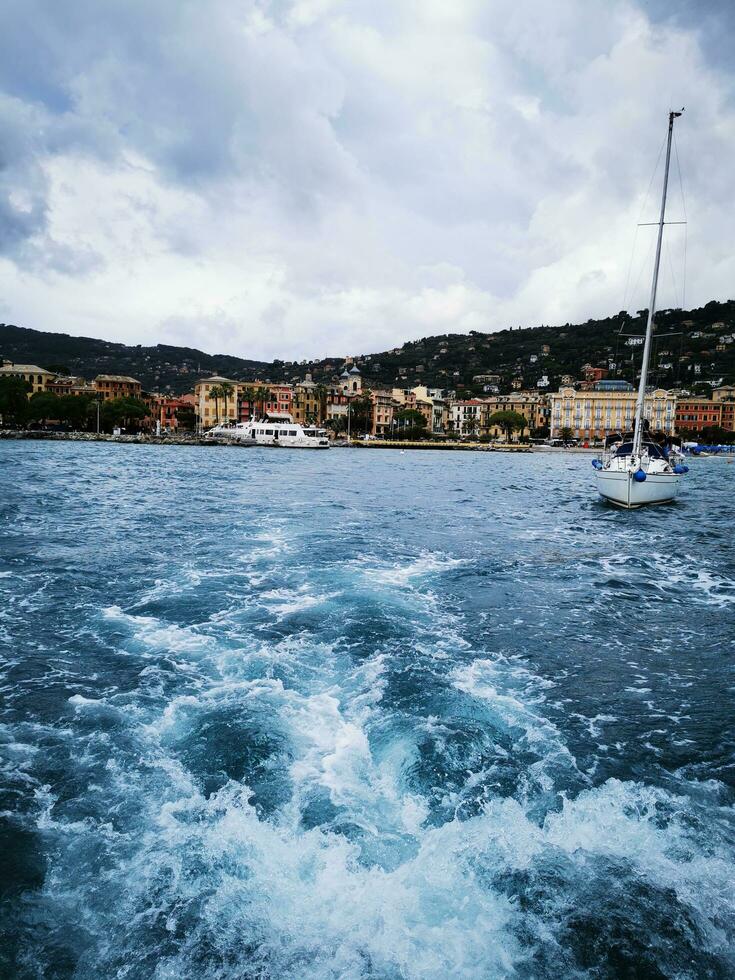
[{"x": 362, "y": 714}]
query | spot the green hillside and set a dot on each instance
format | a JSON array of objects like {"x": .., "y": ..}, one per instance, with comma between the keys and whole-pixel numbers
[{"x": 685, "y": 352}]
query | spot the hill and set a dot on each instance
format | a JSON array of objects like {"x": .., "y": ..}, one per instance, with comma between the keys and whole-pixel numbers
[{"x": 691, "y": 347}]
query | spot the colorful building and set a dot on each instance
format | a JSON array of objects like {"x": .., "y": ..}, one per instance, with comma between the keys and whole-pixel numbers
[
  {"x": 173, "y": 411},
  {"x": 725, "y": 397},
  {"x": 309, "y": 402},
  {"x": 466, "y": 418},
  {"x": 37, "y": 377},
  {"x": 531, "y": 405},
  {"x": 71, "y": 386},
  {"x": 693, "y": 414},
  {"x": 351, "y": 381},
  {"x": 264, "y": 398},
  {"x": 209, "y": 408},
  {"x": 110, "y": 386},
  {"x": 433, "y": 406},
  {"x": 608, "y": 407},
  {"x": 384, "y": 412}
]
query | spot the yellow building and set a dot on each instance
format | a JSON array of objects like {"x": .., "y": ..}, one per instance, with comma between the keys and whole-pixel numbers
[
  {"x": 726, "y": 393},
  {"x": 308, "y": 405},
  {"x": 609, "y": 407},
  {"x": 37, "y": 377},
  {"x": 531, "y": 405},
  {"x": 211, "y": 409}
]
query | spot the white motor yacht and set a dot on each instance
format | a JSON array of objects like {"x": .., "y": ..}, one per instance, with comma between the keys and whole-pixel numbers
[{"x": 273, "y": 430}]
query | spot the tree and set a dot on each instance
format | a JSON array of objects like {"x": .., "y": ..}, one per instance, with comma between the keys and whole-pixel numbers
[
  {"x": 412, "y": 423},
  {"x": 321, "y": 393},
  {"x": 248, "y": 395},
  {"x": 263, "y": 394},
  {"x": 226, "y": 390},
  {"x": 508, "y": 421},
  {"x": 713, "y": 435},
  {"x": 361, "y": 413},
  {"x": 566, "y": 434},
  {"x": 216, "y": 392},
  {"x": 123, "y": 411},
  {"x": 75, "y": 410},
  {"x": 337, "y": 424},
  {"x": 44, "y": 405},
  {"x": 185, "y": 419},
  {"x": 14, "y": 399}
]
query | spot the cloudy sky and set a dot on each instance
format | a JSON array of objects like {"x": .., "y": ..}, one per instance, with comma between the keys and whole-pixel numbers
[{"x": 301, "y": 177}]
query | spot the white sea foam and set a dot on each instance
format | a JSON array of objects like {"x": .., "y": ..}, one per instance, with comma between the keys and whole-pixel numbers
[
  {"x": 289, "y": 602},
  {"x": 403, "y": 573},
  {"x": 312, "y": 909},
  {"x": 157, "y": 636},
  {"x": 671, "y": 572}
]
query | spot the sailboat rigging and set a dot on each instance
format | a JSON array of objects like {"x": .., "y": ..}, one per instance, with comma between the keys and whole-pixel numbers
[{"x": 637, "y": 471}]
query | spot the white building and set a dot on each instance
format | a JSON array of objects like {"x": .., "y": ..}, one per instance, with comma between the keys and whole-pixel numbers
[{"x": 466, "y": 417}]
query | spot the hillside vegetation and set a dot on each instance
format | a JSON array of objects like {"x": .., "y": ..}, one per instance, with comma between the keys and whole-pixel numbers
[{"x": 685, "y": 352}]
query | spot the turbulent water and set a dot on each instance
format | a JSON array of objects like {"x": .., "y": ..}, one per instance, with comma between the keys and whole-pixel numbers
[{"x": 270, "y": 714}]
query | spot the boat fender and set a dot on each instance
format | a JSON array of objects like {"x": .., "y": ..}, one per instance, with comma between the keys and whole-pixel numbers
[
  {"x": 640, "y": 475},
  {"x": 680, "y": 468},
  {"x": 597, "y": 464}
]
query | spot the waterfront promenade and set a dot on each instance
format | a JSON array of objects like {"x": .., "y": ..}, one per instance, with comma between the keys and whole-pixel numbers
[{"x": 194, "y": 439}]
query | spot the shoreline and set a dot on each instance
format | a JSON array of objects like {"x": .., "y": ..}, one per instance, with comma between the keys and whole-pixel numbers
[{"x": 192, "y": 439}]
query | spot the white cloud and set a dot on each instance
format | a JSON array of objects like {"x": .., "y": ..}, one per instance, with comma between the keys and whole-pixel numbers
[{"x": 321, "y": 177}]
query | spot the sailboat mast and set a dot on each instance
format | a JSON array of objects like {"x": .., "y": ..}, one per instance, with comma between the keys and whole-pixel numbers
[{"x": 640, "y": 401}]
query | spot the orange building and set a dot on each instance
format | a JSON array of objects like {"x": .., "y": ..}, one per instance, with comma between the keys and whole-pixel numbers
[
  {"x": 725, "y": 397},
  {"x": 694, "y": 414},
  {"x": 279, "y": 400},
  {"x": 166, "y": 409},
  {"x": 384, "y": 408},
  {"x": 697, "y": 413},
  {"x": 116, "y": 386}
]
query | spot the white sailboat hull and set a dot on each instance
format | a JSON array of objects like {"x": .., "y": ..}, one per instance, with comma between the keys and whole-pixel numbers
[{"x": 620, "y": 488}]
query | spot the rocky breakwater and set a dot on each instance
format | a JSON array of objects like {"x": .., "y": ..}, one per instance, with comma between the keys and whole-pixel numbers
[{"x": 138, "y": 438}]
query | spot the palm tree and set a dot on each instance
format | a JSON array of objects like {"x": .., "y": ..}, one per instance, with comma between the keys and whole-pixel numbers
[
  {"x": 263, "y": 395},
  {"x": 216, "y": 392},
  {"x": 226, "y": 389},
  {"x": 321, "y": 395},
  {"x": 248, "y": 395}
]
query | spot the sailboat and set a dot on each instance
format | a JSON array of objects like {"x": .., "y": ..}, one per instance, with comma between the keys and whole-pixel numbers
[{"x": 637, "y": 471}]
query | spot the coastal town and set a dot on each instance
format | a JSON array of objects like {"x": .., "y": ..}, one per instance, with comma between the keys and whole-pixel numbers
[{"x": 584, "y": 410}]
